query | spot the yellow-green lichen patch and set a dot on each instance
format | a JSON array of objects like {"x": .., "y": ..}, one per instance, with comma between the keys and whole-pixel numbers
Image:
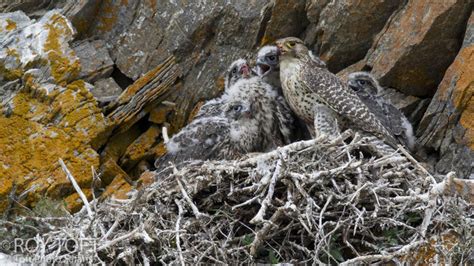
[
  {"x": 11, "y": 25},
  {"x": 74, "y": 202},
  {"x": 11, "y": 72},
  {"x": 31, "y": 144},
  {"x": 62, "y": 69}
]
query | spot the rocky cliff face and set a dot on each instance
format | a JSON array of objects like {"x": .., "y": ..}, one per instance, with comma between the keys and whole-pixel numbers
[{"x": 62, "y": 74}]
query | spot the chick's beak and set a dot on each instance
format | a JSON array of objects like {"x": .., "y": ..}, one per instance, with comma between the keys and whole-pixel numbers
[
  {"x": 245, "y": 70},
  {"x": 261, "y": 67}
]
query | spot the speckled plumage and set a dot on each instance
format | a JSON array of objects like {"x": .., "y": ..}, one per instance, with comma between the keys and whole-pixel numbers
[
  {"x": 369, "y": 91},
  {"x": 318, "y": 96},
  {"x": 267, "y": 67},
  {"x": 267, "y": 64},
  {"x": 251, "y": 117},
  {"x": 237, "y": 70}
]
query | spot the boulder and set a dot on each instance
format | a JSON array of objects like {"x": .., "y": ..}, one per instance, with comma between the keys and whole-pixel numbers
[
  {"x": 49, "y": 114},
  {"x": 106, "y": 90},
  {"x": 95, "y": 60},
  {"x": 343, "y": 31},
  {"x": 448, "y": 124},
  {"x": 204, "y": 37},
  {"x": 282, "y": 19},
  {"x": 33, "y": 8},
  {"x": 418, "y": 44},
  {"x": 141, "y": 148}
]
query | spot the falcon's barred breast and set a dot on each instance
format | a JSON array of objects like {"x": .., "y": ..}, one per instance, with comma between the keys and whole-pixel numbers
[{"x": 318, "y": 96}]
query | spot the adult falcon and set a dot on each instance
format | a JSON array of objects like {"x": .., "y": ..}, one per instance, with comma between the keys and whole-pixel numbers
[
  {"x": 267, "y": 64},
  {"x": 320, "y": 98}
]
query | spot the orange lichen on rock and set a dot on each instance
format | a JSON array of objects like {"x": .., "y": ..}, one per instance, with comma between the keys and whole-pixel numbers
[
  {"x": 467, "y": 122},
  {"x": 11, "y": 73},
  {"x": 463, "y": 99},
  {"x": 119, "y": 189},
  {"x": 141, "y": 147},
  {"x": 146, "y": 179},
  {"x": 74, "y": 202},
  {"x": 458, "y": 87},
  {"x": 160, "y": 150},
  {"x": 153, "y": 4},
  {"x": 62, "y": 69},
  {"x": 108, "y": 16},
  {"x": 429, "y": 253},
  {"x": 195, "y": 111},
  {"x": 11, "y": 25},
  {"x": 159, "y": 114},
  {"x": 38, "y": 133},
  {"x": 139, "y": 84}
]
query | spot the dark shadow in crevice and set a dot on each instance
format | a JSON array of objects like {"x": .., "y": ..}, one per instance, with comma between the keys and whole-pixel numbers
[{"x": 122, "y": 80}]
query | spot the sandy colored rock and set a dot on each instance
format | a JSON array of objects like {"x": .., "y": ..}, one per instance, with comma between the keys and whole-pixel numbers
[
  {"x": 119, "y": 189},
  {"x": 118, "y": 143},
  {"x": 141, "y": 148},
  {"x": 159, "y": 114},
  {"x": 110, "y": 170},
  {"x": 418, "y": 45}
]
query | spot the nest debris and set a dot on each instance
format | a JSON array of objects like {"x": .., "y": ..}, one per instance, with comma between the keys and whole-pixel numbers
[{"x": 315, "y": 201}]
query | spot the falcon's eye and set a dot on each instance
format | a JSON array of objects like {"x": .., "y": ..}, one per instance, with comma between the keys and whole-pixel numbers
[
  {"x": 234, "y": 70},
  {"x": 271, "y": 58},
  {"x": 290, "y": 44},
  {"x": 237, "y": 108},
  {"x": 361, "y": 82}
]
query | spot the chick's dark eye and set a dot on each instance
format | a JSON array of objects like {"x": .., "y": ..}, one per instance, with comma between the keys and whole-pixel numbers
[
  {"x": 237, "y": 108},
  {"x": 271, "y": 58},
  {"x": 234, "y": 70},
  {"x": 361, "y": 82}
]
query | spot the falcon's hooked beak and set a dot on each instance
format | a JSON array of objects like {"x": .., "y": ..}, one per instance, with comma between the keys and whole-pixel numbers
[
  {"x": 245, "y": 70},
  {"x": 281, "y": 49}
]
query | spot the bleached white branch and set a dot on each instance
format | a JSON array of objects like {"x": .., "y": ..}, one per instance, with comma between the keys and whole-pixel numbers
[{"x": 71, "y": 179}]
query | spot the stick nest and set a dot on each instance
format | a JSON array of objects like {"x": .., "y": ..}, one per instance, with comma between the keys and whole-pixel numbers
[{"x": 315, "y": 201}]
